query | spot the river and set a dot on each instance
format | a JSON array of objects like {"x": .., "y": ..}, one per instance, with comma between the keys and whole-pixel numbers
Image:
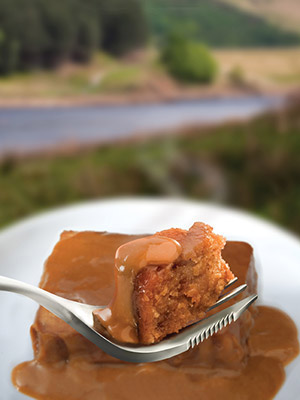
[{"x": 31, "y": 129}]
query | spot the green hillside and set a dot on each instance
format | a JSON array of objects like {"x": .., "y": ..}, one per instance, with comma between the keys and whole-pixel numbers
[
  {"x": 216, "y": 23},
  {"x": 284, "y": 13}
]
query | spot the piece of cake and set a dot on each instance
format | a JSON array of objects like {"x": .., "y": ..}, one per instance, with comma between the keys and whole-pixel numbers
[
  {"x": 81, "y": 267},
  {"x": 164, "y": 282}
]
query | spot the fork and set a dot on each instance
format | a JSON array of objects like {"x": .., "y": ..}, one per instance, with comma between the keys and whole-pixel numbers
[{"x": 79, "y": 316}]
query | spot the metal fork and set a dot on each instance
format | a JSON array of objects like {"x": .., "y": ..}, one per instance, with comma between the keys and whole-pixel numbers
[{"x": 79, "y": 316}]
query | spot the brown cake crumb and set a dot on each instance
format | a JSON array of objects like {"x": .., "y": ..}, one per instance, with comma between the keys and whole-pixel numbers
[
  {"x": 168, "y": 298},
  {"x": 164, "y": 282}
]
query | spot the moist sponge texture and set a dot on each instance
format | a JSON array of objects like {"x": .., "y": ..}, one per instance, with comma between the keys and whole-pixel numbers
[{"x": 168, "y": 298}]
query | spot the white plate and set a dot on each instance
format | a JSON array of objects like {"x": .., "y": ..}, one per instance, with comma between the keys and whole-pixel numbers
[{"x": 25, "y": 246}]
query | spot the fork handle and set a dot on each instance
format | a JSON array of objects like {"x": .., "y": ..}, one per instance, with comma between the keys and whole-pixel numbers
[{"x": 57, "y": 305}]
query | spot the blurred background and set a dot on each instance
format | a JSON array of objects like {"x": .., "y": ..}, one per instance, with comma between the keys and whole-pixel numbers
[{"x": 192, "y": 98}]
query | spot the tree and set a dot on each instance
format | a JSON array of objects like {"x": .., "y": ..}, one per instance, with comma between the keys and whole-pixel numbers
[
  {"x": 9, "y": 54},
  {"x": 87, "y": 38},
  {"x": 59, "y": 31},
  {"x": 124, "y": 26}
]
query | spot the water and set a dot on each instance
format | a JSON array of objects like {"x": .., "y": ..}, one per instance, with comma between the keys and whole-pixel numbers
[{"x": 40, "y": 128}]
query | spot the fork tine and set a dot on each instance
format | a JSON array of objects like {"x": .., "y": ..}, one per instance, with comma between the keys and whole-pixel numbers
[
  {"x": 243, "y": 305},
  {"x": 182, "y": 341},
  {"x": 231, "y": 282},
  {"x": 207, "y": 327},
  {"x": 229, "y": 296}
]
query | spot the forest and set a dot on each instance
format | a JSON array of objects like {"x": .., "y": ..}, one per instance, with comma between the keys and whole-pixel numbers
[{"x": 43, "y": 33}]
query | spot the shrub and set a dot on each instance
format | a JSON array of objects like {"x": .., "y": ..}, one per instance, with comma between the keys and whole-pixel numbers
[
  {"x": 237, "y": 76},
  {"x": 188, "y": 61}
]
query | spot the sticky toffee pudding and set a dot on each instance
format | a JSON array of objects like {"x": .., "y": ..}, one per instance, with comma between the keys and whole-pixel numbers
[{"x": 243, "y": 361}]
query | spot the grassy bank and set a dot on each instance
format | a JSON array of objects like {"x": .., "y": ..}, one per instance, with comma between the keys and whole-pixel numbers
[
  {"x": 253, "y": 165},
  {"x": 143, "y": 75}
]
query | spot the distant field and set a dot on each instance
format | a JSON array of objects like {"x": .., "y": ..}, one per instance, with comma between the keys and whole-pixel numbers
[{"x": 265, "y": 69}]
